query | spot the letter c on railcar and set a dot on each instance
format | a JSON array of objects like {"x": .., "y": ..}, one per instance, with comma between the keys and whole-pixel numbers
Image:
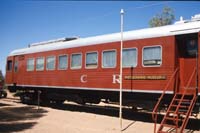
[{"x": 83, "y": 78}]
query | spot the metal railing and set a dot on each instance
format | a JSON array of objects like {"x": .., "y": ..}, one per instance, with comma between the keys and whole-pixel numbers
[
  {"x": 154, "y": 113},
  {"x": 192, "y": 102}
]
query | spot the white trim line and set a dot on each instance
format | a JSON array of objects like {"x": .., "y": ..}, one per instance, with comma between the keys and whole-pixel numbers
[
  {"x": 105, "y": 89},
  {"x": 100, "y": 89}
]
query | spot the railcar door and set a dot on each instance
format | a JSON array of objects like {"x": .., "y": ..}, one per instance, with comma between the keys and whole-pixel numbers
[
  {"x": 187, "y": 58},
  {"x": 15, "y": 69},
  {"x": 9, "y": 70}
]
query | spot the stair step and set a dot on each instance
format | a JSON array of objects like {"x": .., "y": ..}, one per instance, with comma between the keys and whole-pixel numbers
[
  {"x": 183, "y": 100},
  {"x": 181, "y": 106},
  {"x": 167, "y": 125},
  {"x": 182, "y": 103},
  {"x": 185, "y": 96},
  {"x": 188, "y": 94},
  {"x": 162, "y": 132},
  {"x": 180, "y": 112},
  {"x": 171, "y": 111},
  {"x": 172, "y": 119},
  {"x": 183, "y": 111}
]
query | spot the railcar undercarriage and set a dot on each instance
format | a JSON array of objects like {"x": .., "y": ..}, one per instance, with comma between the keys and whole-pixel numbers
[{"x": 45, "y": 96}]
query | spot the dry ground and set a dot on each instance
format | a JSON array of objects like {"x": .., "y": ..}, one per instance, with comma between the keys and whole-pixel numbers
[{"x": 73, "y": 118}]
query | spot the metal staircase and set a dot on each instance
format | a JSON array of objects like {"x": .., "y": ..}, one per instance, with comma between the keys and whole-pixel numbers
[
  {"x": 178, "y": 113},
  {"x": 179, "y": 110}
]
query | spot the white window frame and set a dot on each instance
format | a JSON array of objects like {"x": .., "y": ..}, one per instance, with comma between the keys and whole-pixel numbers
[
  {"x": 54, "y": 63},
  {"x": 152, "y": 46},
  {"x": 102, "y": 58},
  {"x": 43, "y": 64},
  {"x": 86, "y": 60},
  {"x": 136, "y": 57},
  {"x": 74, "y": 68},
  {"x": 67, "y": 61},
  {"x": 33, "y": 64}
]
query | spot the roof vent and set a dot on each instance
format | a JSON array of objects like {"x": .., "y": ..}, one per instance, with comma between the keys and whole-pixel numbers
[
  {"x": 53, "y": 41},
  {"x": 181, "y": 21},
  {"x": 196, "y": 17},
  {"x": 193, "y": 18}
]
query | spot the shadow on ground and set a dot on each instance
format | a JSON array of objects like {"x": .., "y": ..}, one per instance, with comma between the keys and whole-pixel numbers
[
  {"x": 193, "y": 124},
  {"x": 3, "y": 104},
  {"x": 16, "y": 127},
  {"x": 12, "y": 119}
]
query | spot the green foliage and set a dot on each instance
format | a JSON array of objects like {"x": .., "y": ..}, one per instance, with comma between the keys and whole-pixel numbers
[
  {"x": 165, "y": 18},
  {"x": 2, "y": 80},
  {"x": 1, "y": 76}
]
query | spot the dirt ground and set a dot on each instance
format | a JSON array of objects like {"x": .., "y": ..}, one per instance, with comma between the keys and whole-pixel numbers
[{"x": 73, "y": 118}]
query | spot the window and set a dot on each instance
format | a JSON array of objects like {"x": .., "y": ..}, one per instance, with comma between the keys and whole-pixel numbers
[
  {"x": 50, "y": 64},
  {"x": 62, "y": 62},
  {"x": 16, "y": 66},
  {"x": 152, "y": 56},
  {"x": 30, "y": 64},
  {"x": 91, "y": 60},
  {"x": 9, "y": 65},
  {"x": 40, "y": 64},
  {"x": 109, "y": 59},
  {"x": 191, "y": 47},
  {"x": 129, "y": 57},
  {"x": 76, "y": 61}
]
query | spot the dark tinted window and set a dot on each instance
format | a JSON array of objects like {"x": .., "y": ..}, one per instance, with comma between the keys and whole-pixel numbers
[
  {"x": 9, "y": 65},
  {"x": 191, "y": 47},
  {"x": 187, "y": 45}
]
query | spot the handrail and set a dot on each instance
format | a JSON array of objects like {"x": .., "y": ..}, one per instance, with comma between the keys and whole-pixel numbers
[
  {"x": 156, "y": 106},
  {"x": 193, "y": 101},
  {"x": 154, "y": 113},
  {"x": 190, "y": 80}
]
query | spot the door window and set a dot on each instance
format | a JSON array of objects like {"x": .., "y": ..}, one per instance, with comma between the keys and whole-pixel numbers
[{"x": 9, "y": 65}]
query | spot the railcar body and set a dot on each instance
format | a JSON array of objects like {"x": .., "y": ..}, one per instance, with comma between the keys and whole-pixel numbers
[{"x": 87, "y": 69}]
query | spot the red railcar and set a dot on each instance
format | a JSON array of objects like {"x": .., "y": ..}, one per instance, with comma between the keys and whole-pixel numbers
[{"x": 87, "y": 69}]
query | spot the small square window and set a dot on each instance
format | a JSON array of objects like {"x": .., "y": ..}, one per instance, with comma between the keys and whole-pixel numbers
[
  {"x": 16, "y": 66},
  {"x": 9, "y": 65},
  {"x": 50, "y": 64},
  {"x": 76, "y": 61},
  {"x": 91, "y": 60},
  {"x": 129, "y": 57},
  {"x": 109, "y": 59},
  {"x": 152, "y": 56},
  {"x": 62, "y": 62},
  {"x": 40, "y": 64},
  {"x": 30, "y": 64}
]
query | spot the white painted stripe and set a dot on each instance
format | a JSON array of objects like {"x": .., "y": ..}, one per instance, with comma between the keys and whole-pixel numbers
[
  {"x": 9, "y": 84},
  {"x": 99, "y": 89}
]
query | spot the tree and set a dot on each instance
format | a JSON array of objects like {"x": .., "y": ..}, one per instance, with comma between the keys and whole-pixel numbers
[
  {"x": 165, "y": 18},
  {"x": 1, "y": 76}
]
